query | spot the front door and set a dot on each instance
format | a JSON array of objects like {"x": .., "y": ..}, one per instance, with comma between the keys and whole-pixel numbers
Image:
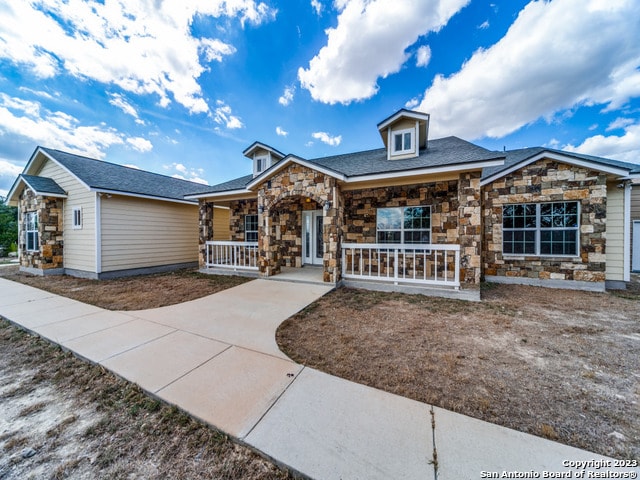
[{"x": 312, "y": 245}]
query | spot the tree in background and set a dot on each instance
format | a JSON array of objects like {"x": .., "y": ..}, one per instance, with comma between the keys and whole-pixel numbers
[{"x": 8, "y": 226}]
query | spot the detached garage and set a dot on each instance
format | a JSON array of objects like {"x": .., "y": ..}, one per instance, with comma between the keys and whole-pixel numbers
[{"x": 94, "y": 219}]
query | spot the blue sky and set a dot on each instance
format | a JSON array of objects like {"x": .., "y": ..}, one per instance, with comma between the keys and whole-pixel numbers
[{"x": 182, "y": 89}]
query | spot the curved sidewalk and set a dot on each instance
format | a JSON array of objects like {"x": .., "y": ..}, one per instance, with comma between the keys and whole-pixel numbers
[{"x": 217, "y": 359}]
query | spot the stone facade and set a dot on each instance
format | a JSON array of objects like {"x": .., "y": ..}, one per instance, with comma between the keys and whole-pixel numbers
[
  {"x": 282, "y": 199},
  {"x": 50, "y": 232},
  {"x": 548, "y": 181},
  {"x": 455, "y": 216},
  {"x": 239, "y": 210}
]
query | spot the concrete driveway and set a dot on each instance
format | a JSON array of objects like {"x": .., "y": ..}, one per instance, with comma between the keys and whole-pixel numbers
[{"x": 217, "y": 359}]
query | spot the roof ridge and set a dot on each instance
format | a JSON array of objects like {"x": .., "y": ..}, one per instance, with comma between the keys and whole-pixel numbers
[{"x": 133, "y": 169}]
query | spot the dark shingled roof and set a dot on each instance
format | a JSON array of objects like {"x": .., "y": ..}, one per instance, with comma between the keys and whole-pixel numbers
[
  {"x": 117, "y": 178},
  {"x": 43, "y": 185},
  {"x": 514, "y": 157},
  {"x": 440, "y": 152}
]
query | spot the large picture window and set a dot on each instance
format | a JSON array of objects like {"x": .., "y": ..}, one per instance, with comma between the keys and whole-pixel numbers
[
  {"x": 31, "y": 231},
  {"x": 541, "y": 229},
  {"x": 251, "y": 228},
  {"x": 404, "y": 225}
]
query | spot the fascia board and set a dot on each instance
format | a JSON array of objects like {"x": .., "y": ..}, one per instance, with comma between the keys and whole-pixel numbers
[
  {"x": 560, "y": 158},
  {"x": 231, "y": 194},
  {"x": 426, "y": 171},
  {"x": 140, "y": 195}
]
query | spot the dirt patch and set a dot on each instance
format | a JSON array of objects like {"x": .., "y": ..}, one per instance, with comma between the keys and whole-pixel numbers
[
  {"x": 560, "y": 364},
  {"x": 131, "y": 293},
  {"x": 64, "y": 418}
]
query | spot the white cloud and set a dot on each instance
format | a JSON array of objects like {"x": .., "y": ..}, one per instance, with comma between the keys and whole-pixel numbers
[
  {"x": 623, "y": 147},
  {"x": 9, "y": 169},
  {"x": 413, "y": 103},
  {"x": 324, "y": 137},
  {"x": 550, "y": 60},
  {"x": 317, "y": 6},
  {"x": 281, "y": 132},
  {"x": 140, "y": 144},
  {"x": 287, "y": 95},
  {"x": 620, "y": 123},
  {"x": 223, "y": 116},
  {"x": 348, "y": 67},
  {"x": 141, "y": 46},
  {"x": 186, "y": 173},
  {"x": 423, "y": 56},
  {"x": 27, "y": 119},
  {"x": 119, "y": 101},
  {"x": 131, "y": 165},
  {"x": 484, "y": 25}
]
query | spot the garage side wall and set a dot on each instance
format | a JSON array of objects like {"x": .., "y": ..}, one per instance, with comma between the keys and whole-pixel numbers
[{"x": 140, "y": 233}]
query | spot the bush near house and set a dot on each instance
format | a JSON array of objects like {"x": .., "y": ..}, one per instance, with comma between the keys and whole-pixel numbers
[{"x": 8, "y": 226}]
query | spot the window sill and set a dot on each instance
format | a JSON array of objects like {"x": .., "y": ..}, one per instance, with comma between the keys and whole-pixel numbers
[{"x": 511, "y": 256}]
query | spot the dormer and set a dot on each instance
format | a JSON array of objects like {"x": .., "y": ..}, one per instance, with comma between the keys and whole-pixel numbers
[
  {"x": 404, "y": 134},
  {"x": 263, "y": 157}
]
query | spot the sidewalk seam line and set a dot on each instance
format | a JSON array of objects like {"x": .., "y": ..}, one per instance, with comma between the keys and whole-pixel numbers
[
  {"x": 274, "y": 403},
  {"x": 155, "y": 392}
]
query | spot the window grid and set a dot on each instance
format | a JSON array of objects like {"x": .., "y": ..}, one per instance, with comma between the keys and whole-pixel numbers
[
  {"x": 403, "y": 141},
  {"x": 251, "y": 228},
  {"x": 31, "y": 231},
  {"x": 77, "y": 217},
  {"x": 405, "y": 225},
  {"x": 541, "y": 229}
]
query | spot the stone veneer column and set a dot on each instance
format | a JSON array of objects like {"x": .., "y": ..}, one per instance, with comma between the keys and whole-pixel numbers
[
  {"x": 205, "y": 231},
  {"x": 50, "y": 256},
  {"x": 470, "y": 228},
  {"x": 332, "y": 233}
]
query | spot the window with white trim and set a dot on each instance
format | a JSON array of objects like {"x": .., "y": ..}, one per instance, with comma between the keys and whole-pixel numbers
[
  {"x": 541, "y": 229},
  {"x": 31, "y": 231},
  {"x": 261, "y": 163},
  {"x": 77, "y": 218},
  {"x": 403, "y": 225},
  {"x": 251, "y": 228},
  {"x": 402, "y": 141}
]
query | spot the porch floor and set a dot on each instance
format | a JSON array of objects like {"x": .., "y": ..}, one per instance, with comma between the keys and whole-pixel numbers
[{"x": 307, "y": 274}]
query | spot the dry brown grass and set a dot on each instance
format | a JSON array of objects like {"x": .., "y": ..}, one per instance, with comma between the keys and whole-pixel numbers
[
  {"x": 131, "y": 293},
  {"x": 559, "y": 364},
  {"x": 99, "y": 426}
]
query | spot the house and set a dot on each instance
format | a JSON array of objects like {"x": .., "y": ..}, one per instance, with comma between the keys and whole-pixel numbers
[
  {"x": 440, "y": 214},
  {"x": 94, "y": 219},
  {"x": 635, "y": 226}
]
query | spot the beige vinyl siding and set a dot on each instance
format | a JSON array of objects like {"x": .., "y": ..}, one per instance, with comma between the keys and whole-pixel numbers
[
  {"x": 141, "y": 233},
  {"x": 79, "y": 244},
  {"x": 615, "y": 232},
  {"x": 221, "y": 225},
  {"x": 635, "y": 214}
]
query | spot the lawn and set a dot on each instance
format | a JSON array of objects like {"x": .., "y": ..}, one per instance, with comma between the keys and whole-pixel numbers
[{"x": 559, "y": 364}]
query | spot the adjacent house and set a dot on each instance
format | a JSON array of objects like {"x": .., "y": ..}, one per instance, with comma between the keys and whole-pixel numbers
[
  {"x": 94, "y": 219},
  {"x": 440, "y": 214}
]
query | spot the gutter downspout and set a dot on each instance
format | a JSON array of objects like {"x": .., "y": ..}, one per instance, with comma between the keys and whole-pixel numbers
[{"x": 627, "y": 233}]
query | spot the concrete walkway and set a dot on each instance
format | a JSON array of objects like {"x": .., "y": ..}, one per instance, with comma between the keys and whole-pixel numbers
[{"x": 217, "y": 359}]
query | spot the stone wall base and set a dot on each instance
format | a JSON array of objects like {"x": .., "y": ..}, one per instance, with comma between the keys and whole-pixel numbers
[
  {"x": 536, "y": 282},
  {"x": 129, "y": 272}
]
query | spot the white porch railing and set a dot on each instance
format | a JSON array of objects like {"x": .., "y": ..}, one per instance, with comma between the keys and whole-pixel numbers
[
  {"x": 407, "y": 263},
  {"x": 232, "y": 255}
]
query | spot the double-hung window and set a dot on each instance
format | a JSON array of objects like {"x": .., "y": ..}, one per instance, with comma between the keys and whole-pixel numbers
[
  {"x": 403, "y": 141},
  {"x": 251, "y": 228},
  {"x": 31, "y": 231},
  {"x": 541, "y": 229},
  {"x": 404, "y": 225}
]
